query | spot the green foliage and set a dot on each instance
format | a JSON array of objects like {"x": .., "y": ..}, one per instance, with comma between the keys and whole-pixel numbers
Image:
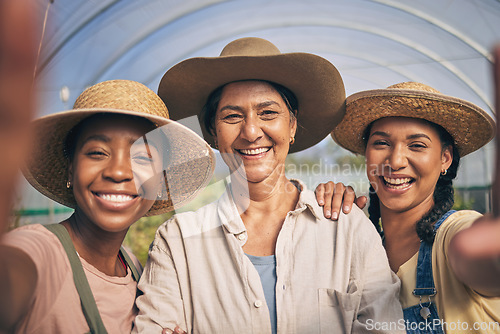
[
  {"x": 141, "y": 234},
  {"x": 351, "y": 160},
  {"x": 462, "y": 204}
]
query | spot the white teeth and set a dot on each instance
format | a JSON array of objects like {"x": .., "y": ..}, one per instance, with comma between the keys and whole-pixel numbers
[
  {"x": 254, "y": 151},
  {"x": 116, "y": 198},
  {"x": 397, "y": 182}
]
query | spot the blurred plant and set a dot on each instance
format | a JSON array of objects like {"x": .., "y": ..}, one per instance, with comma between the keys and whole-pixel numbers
[
  {"x": 351, "y": 160},
  {"x": 462, "y": 204},
  {"x": 141, "y": 234}
]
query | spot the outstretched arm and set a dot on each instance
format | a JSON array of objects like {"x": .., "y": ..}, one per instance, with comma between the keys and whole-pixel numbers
[
  {"x": 474, "y": 253},
  {"x": 17, "y": 63}
]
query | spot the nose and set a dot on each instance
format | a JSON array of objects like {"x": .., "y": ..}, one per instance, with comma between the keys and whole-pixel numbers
[
  {"x": 251, "y": 129},
  {"x": 397, "y": 158},
  {"x": 119, "y": 168}
]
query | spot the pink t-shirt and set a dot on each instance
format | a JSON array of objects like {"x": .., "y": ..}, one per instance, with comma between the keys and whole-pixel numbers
[{"x": 56, "y": 305}]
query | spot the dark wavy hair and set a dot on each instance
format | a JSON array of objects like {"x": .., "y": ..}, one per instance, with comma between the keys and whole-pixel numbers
[{"x": 443, "y": 194}]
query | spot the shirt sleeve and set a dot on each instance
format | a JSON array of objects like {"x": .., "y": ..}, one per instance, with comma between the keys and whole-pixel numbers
[
  {"x": 160, "y": 305},
  {"x": 455, "y": 223},
  {"x": 380, "y": 310}
]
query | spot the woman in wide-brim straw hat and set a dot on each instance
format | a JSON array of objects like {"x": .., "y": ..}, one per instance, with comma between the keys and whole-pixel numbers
[
  {"x": 413, "y": 138},
  {"x": 114, "y": 158},
  {"x": 262, "y": 259}
]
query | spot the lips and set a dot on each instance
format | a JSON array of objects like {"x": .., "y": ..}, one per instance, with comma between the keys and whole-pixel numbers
[
  {"x": 397, "y": 183},
  {"x": 254, "y": 152}
]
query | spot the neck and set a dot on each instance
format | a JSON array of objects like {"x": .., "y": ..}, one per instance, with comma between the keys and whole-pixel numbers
[
  {"x": 98, "y": 247},
  {"x": 401, "y": 238},
  {"x": 263, "y": 208},
  {"x": 266, "y": 196}
]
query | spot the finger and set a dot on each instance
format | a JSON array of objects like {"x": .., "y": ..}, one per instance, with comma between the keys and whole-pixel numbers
[
  {"x": 338, "y": 196},
  {"x": 167, "y": 331},
  {"x": 17, "y": 62},
  {"x": 178, "y": 330},
  {"x": 496, "y": 184},
  {"x": 328, "y": 197},
  {"x": 349, "y": 198},
  {"x": 320, "y": 193},
  {"x": 361, "y": 201}
]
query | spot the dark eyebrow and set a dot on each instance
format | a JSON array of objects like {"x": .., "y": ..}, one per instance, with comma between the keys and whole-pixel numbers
[
  {"x": 380, "y": 133},
  {"x": 101, "y": 138},
  {"x": 413, "y": 136},
  {"x": 106, "y": 139},
  {"x": 230, "y": 107},
  {"x": 258, "y": 106},
  {"x": 266, "y": 104},
  {"x": 418, "y": 135}
]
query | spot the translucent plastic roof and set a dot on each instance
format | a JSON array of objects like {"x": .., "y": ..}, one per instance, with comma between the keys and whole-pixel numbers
[{"x": 374, "y": 43}]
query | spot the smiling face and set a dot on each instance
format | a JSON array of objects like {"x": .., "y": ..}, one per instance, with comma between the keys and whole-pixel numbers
[
  {"x": 404, "y": 158},
  {"x": 253, "y": 126},
  {"x": 106, "y": 167}
]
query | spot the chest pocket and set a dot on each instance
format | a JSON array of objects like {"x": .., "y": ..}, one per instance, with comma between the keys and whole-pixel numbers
[{"x": 338, "y": 310}]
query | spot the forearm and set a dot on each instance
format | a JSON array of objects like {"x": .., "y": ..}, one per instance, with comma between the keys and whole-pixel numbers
[
  {"x": 474, "y": 264},
  {"x": 17, "y": 285}
]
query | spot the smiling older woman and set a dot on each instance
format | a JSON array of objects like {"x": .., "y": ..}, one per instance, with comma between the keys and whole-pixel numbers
[{"x": 262, "y": 259}]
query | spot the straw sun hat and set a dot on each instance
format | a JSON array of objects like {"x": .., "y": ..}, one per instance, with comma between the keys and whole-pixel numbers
[
  {"x": 470, "y": 126},
  {"x": 315, "y": 82},
  {"x": 189, "y": 160}
]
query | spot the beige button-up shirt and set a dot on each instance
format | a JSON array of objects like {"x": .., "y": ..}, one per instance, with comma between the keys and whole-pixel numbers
[{"x": 332, "y": 277}]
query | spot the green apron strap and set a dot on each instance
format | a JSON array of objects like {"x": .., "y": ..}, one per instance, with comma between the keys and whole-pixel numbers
[
  {"x": 130, "y": 263},
  {"x": 89, "y": 306}
]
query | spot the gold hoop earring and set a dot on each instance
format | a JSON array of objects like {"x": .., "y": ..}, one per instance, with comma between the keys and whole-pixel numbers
[
  {"x": 443, "y": 172},
  {"x": 68, "y": 184},
  {"x": 159, "y": 194},
  {"x": 292, "y": 140}
]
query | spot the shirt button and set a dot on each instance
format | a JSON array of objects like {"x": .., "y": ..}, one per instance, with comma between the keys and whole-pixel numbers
[
  {"x": 258, "y": 303},
  {"x": 241, "y": 236}
]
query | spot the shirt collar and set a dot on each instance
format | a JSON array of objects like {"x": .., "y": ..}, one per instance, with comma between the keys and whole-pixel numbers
[
  {"x": 231, "y": 220},
  {"x": 307, "y": 200},
  {"x": 228, "y": 213}
]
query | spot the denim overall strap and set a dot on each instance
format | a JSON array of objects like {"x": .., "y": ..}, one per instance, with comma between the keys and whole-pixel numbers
[
  {"x": 425, "y": 281},
  {"x": 423, "y": 317}
]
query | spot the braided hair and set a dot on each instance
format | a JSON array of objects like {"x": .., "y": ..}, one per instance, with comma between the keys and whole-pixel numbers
[{"x": 443, "y": 194}]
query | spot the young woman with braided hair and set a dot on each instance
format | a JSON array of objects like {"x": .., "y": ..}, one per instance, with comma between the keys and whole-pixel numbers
[
  {"x": 443, "y": 195},
  {"x": 413, "y": 138}
]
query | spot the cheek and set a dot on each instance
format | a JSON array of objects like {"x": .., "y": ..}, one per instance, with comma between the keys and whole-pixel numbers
[
  {"x": 374, "y": 163},
  {"x": 226, "y": 134}
]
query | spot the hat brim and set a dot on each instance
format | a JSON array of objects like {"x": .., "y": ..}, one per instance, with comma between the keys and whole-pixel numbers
[
  {"x": 190, "y": 169},
  {"x": 470, "y": 126},
  {"x": 315, "y": 82}
]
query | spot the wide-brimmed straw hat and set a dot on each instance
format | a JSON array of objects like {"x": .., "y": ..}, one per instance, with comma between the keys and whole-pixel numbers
[
  {"x": 315, "y": 82},
  {"x": 190, "y": 161},
  {"x": 470, "y": 126}
]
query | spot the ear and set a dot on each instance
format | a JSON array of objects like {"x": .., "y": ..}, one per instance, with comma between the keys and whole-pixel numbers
[
  {"x": 447, "y": 157},
  {"x": 293, "y": 127}
]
